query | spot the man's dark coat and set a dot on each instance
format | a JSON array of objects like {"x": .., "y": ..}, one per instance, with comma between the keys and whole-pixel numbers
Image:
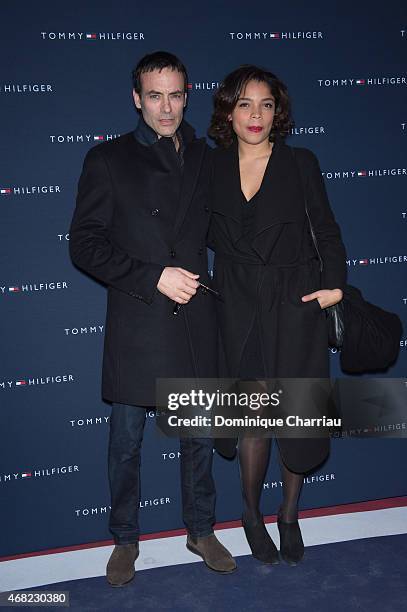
[{"x": 139, "y": 210}]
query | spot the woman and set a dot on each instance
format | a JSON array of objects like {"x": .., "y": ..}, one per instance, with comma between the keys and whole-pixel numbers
[{"x": 267, "y": 272}]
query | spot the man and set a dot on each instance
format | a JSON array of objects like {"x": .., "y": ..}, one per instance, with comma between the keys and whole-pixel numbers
[{"x": 140, "y": 227}]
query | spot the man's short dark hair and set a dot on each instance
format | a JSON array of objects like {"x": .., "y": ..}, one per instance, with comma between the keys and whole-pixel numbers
[{"x": 157, "y": 61}]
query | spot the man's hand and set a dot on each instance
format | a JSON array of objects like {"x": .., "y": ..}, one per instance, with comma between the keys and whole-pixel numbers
[
  {"x": 325, "y": 297},
  {"x": 178, "y": 284}
]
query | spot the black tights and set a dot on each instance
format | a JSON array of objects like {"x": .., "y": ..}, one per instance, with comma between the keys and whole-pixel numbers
[{"x": 254, "y": 454}]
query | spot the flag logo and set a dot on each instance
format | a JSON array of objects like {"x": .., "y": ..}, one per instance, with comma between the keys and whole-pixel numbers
[
  {"x": 20, "y": 383},
  {"x": 363, "y": 262},
  {"x": 14, "y": 289},
  {"x": 98, "y": 138},
  {"x": 25, "y": 474},
  {"x": 360, "y": 82},
  {"x": 189, "y": 86},
  {"x": 275, "y": 35},
  {"x": 5, "y": 191},
  {"x": 362, "y": 173},
  {"x": 91, "y": 36}
]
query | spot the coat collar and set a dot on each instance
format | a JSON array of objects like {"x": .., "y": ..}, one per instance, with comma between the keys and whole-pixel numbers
[
  {"x": 146, "y": 136},
  {"x": 193, "y": 150},
  {"x": 280, "y": 200}
]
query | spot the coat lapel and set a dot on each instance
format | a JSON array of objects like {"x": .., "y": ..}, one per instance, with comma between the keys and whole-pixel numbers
[
  {"x": 227, "y": 200},
  {"x": 278, "y": 203},
  {"x": 279, "y": 206},
  {"x": 193, "y": 158},
  {"x": 280, "y": 198}
]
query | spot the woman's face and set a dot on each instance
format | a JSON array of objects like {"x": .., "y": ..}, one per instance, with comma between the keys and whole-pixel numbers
[{"x": 252, "y": 118}]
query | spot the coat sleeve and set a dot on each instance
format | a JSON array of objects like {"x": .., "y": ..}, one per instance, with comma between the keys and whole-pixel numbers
[
  {"x": 90, "y": 245},
  {"x": 327, "y": 231}
]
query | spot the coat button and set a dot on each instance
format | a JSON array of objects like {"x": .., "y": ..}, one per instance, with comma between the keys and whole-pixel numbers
[
  {"x": 172, "y": 253},
  {"x": 136, "y": 295},
  {"x": 200, "y": 251},
  {"x": 206, "y": 208},
  {"x": 155, "y": 212}
]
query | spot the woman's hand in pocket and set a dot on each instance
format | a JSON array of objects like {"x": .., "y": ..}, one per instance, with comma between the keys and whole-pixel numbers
[{"x": 325, "y": 297}]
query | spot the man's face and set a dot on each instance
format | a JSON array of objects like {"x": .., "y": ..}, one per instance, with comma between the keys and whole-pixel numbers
[{"x": 162, "y": 100}]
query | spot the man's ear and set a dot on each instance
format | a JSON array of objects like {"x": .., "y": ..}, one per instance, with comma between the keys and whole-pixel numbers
[{"x": 137, "y": 99}]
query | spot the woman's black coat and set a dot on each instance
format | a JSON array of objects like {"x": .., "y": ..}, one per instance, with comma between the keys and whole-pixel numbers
[{"x": 271, "y": 279}]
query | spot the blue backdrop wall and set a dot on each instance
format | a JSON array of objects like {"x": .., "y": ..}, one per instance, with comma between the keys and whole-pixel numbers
[{"x": 65, "y": 86}]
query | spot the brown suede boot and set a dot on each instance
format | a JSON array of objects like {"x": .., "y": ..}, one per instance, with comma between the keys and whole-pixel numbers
[
  {"x": 120, "y": 567},
  {"x": 214, "y": 554}
]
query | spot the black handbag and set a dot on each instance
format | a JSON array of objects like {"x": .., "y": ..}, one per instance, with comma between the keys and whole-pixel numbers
[{"x": 334, "y": 314}]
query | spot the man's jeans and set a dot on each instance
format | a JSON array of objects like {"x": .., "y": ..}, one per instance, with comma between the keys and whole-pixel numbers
[{"x": 198, "y": 487}]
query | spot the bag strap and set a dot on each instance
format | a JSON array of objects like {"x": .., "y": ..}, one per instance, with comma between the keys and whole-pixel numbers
[{"x": 314, "y": 238}]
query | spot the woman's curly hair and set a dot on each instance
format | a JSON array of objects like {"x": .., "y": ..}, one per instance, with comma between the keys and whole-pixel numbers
[{"x": 229, "y": 92}]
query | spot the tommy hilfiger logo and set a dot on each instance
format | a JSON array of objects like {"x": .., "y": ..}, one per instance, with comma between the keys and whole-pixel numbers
[
  {"x": 74, "y": 138},
  {"x": 6, "y": 190},
  {"x": 88, "y": 421},
  {"x": 26, "y": 88},
  {"x": 300, "y": 131},
  {"x": 362, "y": 82},
  {"x": 37, "y": 381},
  {"x": 32, "y": 287},
  {"x": 364, "y": 173},
  {"x": 92, "y": 36},
  {"x": 275, "y": 35},
  {"x": 90, "y": 330},
  {"x": 316, "y": 479},
  {"x": 390, "y": 259},
  {"x": 29, "y": 474},
  {"x": 203, "y": 86},
  {"x": 144, "y": 504}
]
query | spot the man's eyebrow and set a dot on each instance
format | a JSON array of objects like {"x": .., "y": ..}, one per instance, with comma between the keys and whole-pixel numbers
[{"x": 153, "y": 91}]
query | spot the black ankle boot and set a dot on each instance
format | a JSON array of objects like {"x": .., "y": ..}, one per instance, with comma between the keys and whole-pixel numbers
[
  {"x": 261, "y": 545},
  {"x": 291, "y": 544}
]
